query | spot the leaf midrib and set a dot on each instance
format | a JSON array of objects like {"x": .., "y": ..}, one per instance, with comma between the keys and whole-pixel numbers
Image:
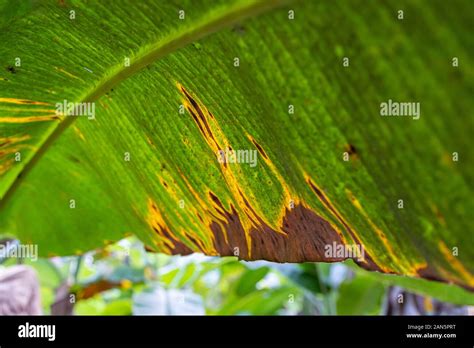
[{"x": 146, "y": 56}]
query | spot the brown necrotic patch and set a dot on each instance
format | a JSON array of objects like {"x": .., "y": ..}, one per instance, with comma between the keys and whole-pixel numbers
[
  {"x": 165, "y": 241},
  {"x": 428, "y": 272},
  {"x": 368, "y": 263},
  {"x": 304, "y": 238},
  {"x": 240, "y": 229}
]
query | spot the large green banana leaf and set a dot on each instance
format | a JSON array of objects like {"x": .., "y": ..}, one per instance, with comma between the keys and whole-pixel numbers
[{"x": 293, "y": 88}]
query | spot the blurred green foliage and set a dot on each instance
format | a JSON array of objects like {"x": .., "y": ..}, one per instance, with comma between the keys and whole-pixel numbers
[{"x": 124, "y": 279}]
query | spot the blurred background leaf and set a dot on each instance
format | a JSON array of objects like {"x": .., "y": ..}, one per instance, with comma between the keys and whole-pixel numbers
[{"x": 124, "y": 279}]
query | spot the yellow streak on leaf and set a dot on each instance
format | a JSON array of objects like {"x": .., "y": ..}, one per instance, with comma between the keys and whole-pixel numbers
[
  {"x": 208, "y": 216},
  {"x": 79, "y": 133},
  {"x": 355, "y": 202},
  {"x": 9, "y": 145},
  {"x": 156, "y": 221},
  {"x": 439, "y": 216},
  {"x": 68, "y": 73},
  {"x": 324, "y": 199},
  {"x": 204, "y": 245},
  {"x": 217, "y": 141},
  {"x": 29, "y": 119},
  {"x": 201, "y": 116},
  {"x": 14, "y": 139},
  {"x": 22, "y": 101},
  {"x": 326, "y": 202},
  {"x": 19, "y": 110},
  {"x": 456, "y": 264},
  {"x": 287, "y": 192},
  {"x": 5, "y": 166},
  {"x": 409, "y": 269}
]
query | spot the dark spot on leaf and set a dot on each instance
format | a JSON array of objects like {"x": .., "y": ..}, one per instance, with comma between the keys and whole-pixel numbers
[
  {"x": 259, "y": 148},
  {"x": 200, "y": 217},
  {"x": 215, "y": 199},
  {"x": 239, "y": 29},
  {"x": 75, "y": 159},
  {"x": 351, "y": 150}
]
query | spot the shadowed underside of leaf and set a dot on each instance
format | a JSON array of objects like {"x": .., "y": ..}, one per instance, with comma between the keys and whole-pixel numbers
[{"x": 148, "y": 163}]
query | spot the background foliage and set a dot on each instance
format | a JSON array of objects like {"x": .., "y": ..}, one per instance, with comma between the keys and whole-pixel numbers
[{"x": 124, "y": 279}]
